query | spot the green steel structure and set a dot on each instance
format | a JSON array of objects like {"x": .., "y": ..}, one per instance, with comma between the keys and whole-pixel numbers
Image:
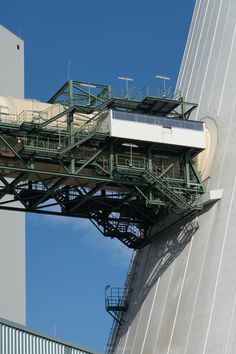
[{"x": 63, "y": 161}]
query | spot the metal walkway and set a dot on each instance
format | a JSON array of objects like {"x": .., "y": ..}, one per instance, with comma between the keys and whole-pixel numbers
[{"x": 64, "y": 161}]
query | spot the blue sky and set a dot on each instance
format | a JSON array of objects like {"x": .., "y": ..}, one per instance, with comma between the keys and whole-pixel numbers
[{"x": 68, "y": 261}]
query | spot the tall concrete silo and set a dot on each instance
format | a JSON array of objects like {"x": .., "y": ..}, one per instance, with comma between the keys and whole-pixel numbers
[
  {"x": 184, "y": 287},
  {"x": 12, "y": 225}
]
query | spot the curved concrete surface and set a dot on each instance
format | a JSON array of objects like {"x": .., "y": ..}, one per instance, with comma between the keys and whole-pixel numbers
[{"x": 184, "y": 294}]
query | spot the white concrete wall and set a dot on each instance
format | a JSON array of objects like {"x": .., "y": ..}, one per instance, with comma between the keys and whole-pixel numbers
[
  {"x": 12, "y": 266},
  {"x": 184, "y": 298},
  {"x": 157, "y": 133},
  {"x": 12, "y": 224},
  {"x": 11, "y": 64}
]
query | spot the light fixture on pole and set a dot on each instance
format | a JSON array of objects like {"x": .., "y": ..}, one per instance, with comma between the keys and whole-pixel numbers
[
  {"x": 131, "y": 146},
  {"x": 126, "y": 79},
  {"x": 164, "y": 78}
]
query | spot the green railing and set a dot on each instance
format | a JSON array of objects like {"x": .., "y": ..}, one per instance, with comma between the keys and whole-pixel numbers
[
  {"x": 130, "y": 161},
  {"x": 62, "y": 141}
]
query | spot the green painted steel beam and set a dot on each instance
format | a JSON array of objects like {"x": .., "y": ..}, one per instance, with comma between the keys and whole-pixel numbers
[
  {"x": 95, "y": 181},
  {"x": 58, "y": 93},
  {"x": 69, "y": 175}
]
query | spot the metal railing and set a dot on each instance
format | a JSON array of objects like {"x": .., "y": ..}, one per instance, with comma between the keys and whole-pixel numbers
[
  {"x": 10, "y": 118},
  {"x": 129, "y": 288},
  {"x": 130, "y": 161},
  {"x": 52, "y": 111},
  {"x": 83, "y": 132},
  {"x": 32, "y": 115},
  {"x": 147, "y": 91},
  {"x": 66, "y": 141},
  {"x": 117, "y": 299}
]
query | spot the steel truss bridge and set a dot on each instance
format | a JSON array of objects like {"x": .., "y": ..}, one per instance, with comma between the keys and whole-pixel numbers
[{"x": 58, "y": 162}]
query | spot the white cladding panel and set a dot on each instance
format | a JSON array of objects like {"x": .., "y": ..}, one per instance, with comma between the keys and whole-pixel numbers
[
  {"x": 12, "y": 266},
  {"x": 163, "y": 134},
  {"x": 12, "y": 232},
  {"x": 16, "y": 339},
  {"x": 187, "y": 283},
  {"x": 11, "y": 64}
]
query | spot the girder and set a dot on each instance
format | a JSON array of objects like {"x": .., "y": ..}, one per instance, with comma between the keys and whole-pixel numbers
[{"x": 60, "y": 163}]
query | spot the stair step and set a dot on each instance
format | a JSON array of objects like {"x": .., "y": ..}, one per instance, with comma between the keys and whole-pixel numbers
[{"x": 164, "y": 188}]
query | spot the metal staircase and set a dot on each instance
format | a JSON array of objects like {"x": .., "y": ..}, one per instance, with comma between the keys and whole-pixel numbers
[
  {"x": 79, "y": 137},
  {"x": 180, "y": 204},
  {"x": 128, "y": 234}
]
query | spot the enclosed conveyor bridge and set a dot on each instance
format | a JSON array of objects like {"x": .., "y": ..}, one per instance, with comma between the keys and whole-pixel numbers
[{"x": 127, "y": 164}]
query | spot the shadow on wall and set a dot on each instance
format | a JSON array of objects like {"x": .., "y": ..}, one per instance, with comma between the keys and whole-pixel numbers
[
  {"x": 155, "y": 260},
  {"x": 169, "y": 248}
]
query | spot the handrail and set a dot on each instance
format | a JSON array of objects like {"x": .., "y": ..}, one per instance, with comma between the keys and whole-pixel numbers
[
  {"x": 178, "y": 200},
  {"x": 62, "y": 145},
  {"x": 128, "y": 286}
]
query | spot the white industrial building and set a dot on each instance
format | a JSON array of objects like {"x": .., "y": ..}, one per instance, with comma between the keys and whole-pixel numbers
[
  {"x": 15, "y": 337},
  {"x": 12, "y": 236},
  {"x": 12, "y": 64}
]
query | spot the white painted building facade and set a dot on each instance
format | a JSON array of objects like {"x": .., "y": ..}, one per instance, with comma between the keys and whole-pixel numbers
[{"x": 12, "y": 224}]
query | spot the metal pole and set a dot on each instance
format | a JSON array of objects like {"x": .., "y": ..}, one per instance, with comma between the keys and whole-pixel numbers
[
  {"x": 131, "y": 151},
  {"x": 126, "y": 79},
  {"x": 164, "y": 78}
]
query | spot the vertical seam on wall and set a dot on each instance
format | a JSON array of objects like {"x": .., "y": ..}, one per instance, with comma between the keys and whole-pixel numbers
[
  {"x": 194, "y": 40},
  {"x": 218, "y": 60},
  {"x": 164, "y": 306},
  {"x": 226, "y": 73},
  {"x": 141, "y": 310},
  {"x": 150, "y": 315},
  {"x": 211, "y": 224},
  {"x": 200, "y": 277},
  {"x": 179, "y": 299},
  {"x": 126, "y": 339},
  {"x": 136, "y": 332},
  {"x": 230, "y": 325},
  {"x": 219, "y": 267},
  {"x": 197, "y": 49},
  {"x": 209, "y": 56},
  {"x": 144, "y": 268},
  {"x": 226, "y": 142},
  {"x": 189, "y": 44},
  {"x": 204, "y": 47}
]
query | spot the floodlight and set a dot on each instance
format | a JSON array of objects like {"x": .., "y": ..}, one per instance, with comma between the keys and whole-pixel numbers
[
  {"x": 88, "y": 85},
  {"x": 131, "y": 146},
  {"x": 164, "y": 78},
  {"x": 126, "y": 79}
]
